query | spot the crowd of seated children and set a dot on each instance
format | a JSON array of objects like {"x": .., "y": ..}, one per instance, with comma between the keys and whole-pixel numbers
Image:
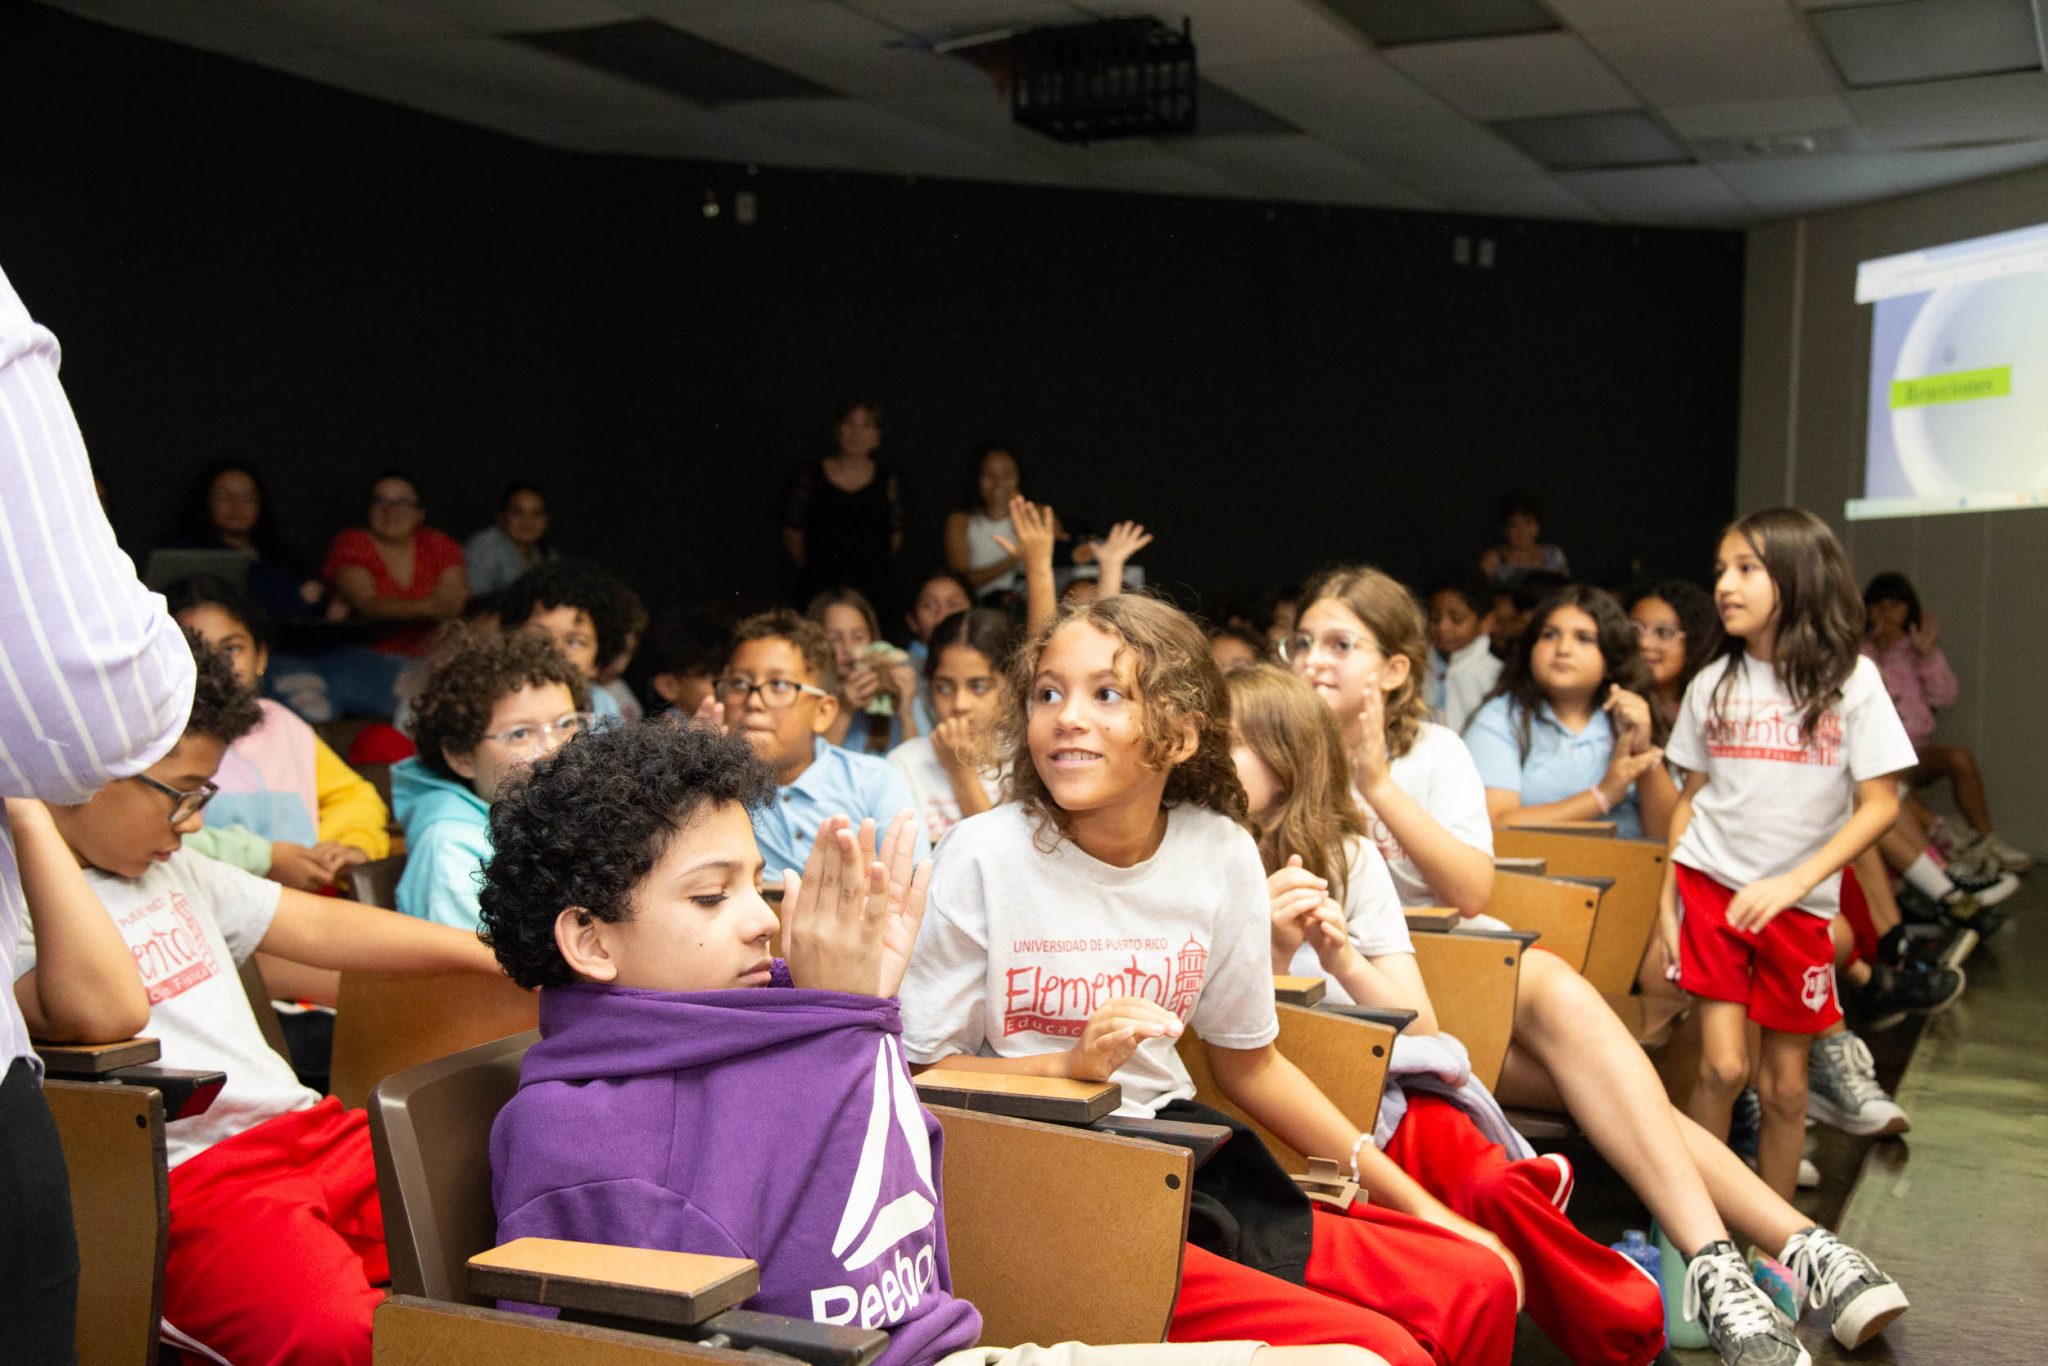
[
  {"x": 950, "y": 770},
  {"x": 1903, "y": 638},
  {"x": 940, "y": 594},
  {"x": 586, "y": 610},
  {"x": 516, "y": 542},
  {"x": 1360, "y": 644},
  {"x": 780, "y": 690},
  {"x": 492, "y": 702},
  {"x": 877, "y": 681},
  {"x": 1462, "y": 666},
  {"x": 625, "y": 888},
  {"x": 1235, "y": 647},
  {"x": 1521, "y": 550},
  {"x": 288, "y": 808},
  {"x": 680, "y": 661},
  {"x": 1125, "y": 828},
  {"x": 276, "y": 1239},
  {"x": 1567, "y": 735}
]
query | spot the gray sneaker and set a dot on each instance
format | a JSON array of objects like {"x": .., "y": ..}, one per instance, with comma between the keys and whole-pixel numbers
[
  {"x": 1842, "y": 1090},
  {"x": 1860, "y": 1299},
  {"x": 1741, "y": 1322}
]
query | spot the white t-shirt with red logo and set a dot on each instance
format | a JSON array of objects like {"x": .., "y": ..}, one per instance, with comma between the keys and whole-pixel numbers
[
  {"x": 190, "y": 922},
  {"x": 1373, "y": 915},
  {"x": 931, "y": 787},
  {"x": 1774, "y": 796},
  {"x": 1437, "y": 772},
  {"x": 1020, "y": 946}
]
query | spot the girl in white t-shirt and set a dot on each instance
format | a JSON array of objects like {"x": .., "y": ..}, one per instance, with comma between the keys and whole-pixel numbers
[
  {"x": 1335, "y": 913},
  {"x": 1078, "y": 929},
  {"x": 1360, "y": 641},
  {"x": 1790, "y": 745},
  {"x": 950, "y": 772}
]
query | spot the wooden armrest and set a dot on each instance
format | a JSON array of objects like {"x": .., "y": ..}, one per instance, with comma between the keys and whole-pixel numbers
[
  {"x": 1056, "y": 1100},
  {"x": 1523, "y": 937},
  {"x": 185, "y": 1093},
  {"x": 677, "y": 1288},
  {"x": 411, "y": 1329},
  {"x": 1299, "y": 991},
  {"x": 1571, "y": 827},
  {"x": 1432, "y": 920},
  {"x": 1395, "y": 1019},
  {"x": 1511, "y": 863},
  {"x": 1585, "y": 880},
  {"x": 1203, "y": 1140},
  {"x": 88, "y": 1060},
  {"x": 778, "y": 1335}
]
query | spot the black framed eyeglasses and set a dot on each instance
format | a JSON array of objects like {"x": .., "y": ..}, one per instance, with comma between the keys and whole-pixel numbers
[
  {"x": 184, "y": 805},
  {"x": 777, "y": 694}
]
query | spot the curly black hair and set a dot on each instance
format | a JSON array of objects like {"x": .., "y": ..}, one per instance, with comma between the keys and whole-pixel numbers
[
  {"x": 588, "y": 587},
  {"x": 473, "y": 666},
  {"x": 208, "y": 590},
  {"x": 585, "y": 825},
  {"x": 221, "y": 706}
]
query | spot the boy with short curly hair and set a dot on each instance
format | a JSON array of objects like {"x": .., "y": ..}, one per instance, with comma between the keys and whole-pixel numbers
[
  {"x": 587, "y": 611},
  {"x": 493, "y": 702},
  {"x": 780, "y": 690},
  {"x": 276, "y": 1239}
]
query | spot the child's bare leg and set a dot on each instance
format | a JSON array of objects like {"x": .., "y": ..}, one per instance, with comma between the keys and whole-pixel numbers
[
  {"x": 1877, "y": 891},
  {"x": 1724, "y": 1064},
  {"x": 1781, "y": 1087},
  {"x": 1755, "y": 1211},
  {"x": 1847, "y": 968},
  {"x": 1959, "y": 765},
  {"x": 1571, "y": 1052}
]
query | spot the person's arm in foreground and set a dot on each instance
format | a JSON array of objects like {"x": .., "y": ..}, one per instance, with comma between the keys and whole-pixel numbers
[{"x": 84, "y": 987}]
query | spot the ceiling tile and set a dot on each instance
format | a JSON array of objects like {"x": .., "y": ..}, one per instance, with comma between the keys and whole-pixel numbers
[
  {"x": 1688, "y": 195},
  {"x": 1790, "y": 185},
  {"x": 836, "y": 47},
  {"x": 1538, "y": 196},
  {"x": 1337, "y": 95},
  {"x": 1586, "y": 141},
  {"x": 1293, "y": 166},
  {"x": 1929, "y": 40},
  {"x": 503, "y": 16},
  {"x": 1756, "y": 118},
  {"x": 1234, "y": 32},
  {"x": 331, "y": 23},
  {"x": 1599, "y": 16},
  {"x": 1757, "y": 57},
  {"x": 372, "y": 77},
  {"x": 1391, "y": 22},
  {"x": 509, "y": 73},
  {"x": 1453, "y": 147},
  {"x": 1926, "y": 170},
  {"x": 668, "y": 59},
  {"x": 1977, "y": 109},
  {"x": 1511, "y": 78},
  {"x": 190, "y": 26},
  {"x": 1221, "y": 112}
]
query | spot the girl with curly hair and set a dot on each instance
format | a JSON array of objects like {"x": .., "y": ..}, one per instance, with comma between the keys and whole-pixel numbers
[{"x": 1117, "y": 900}]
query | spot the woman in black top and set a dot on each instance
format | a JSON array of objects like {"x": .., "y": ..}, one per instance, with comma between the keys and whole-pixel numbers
[{"x": 844, "y": 518}]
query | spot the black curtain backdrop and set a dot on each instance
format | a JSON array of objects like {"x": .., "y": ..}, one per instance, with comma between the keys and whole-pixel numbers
[{"x": 241, "y": 263}]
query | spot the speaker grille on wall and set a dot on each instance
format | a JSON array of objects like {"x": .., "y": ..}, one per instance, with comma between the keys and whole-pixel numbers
[{"x": 1119, "y": 78}]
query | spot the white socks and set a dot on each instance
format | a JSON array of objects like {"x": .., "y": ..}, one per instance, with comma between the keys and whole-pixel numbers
[{"x": 1926, "y": 877}]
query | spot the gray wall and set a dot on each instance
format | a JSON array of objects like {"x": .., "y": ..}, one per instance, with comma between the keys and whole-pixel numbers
[{"x": 1806, "y": 359}]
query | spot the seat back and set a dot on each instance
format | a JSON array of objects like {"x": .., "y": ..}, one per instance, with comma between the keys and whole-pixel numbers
[
  {"x": 376, "y": 883},
  {"x": 1628, "y": 912},
  {"x": 1472, "y": 977},
  {"x": 113, "y": 1139},
  {"x": 1345, "y": 1057},
  {"x": 1559, "y": 911},
  {"x": 385, "y": 1022},
  {"x": 430, "y": 1128},
  {"x": 1027, "y": 1240}
]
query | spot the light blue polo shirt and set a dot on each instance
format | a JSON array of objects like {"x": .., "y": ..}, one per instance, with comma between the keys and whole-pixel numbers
[
  {"x": 1559, "y": 764},
  {"x": 839, "y": 782}
]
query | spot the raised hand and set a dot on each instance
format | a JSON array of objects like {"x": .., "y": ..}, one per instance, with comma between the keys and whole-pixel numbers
[
  {"x": 1036, "y": 530},
  {"x": 1370, "y": 766},
  {"x": 849, "y": 920},
  {"x": 1925, "y": 634},
  {"x": 1113, "y": 1034},
  {"x": 903, "y": 907},
  {"x": 1631, "y": 715},
  {"x": 1125, "y": 539}
]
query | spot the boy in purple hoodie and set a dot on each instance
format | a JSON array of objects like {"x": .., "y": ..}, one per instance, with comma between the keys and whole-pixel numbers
[{"x": 669, "y": 1106}]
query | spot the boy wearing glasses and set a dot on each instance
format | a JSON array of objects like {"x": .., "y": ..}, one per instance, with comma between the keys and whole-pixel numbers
[
  {"x": 276, "y": 1236},
  {"x": 493, "y": 702},
  {"x": 780, "y": 691}
]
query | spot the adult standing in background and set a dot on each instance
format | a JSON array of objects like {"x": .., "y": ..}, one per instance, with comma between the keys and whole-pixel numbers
[
  {"x": 97, "y": 686},
  {"x": 513, "y": 544},
  {"x": 843, "y": 521}
]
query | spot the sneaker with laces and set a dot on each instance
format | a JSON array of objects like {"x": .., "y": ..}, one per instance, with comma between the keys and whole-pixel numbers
[
  {"x": 1842, "y": 1089},
  {"x": 1860, "y": 1299},
  {"x": 1741, "y": 1323},
  {"x": 1892, "y": 994},
  {"x": 2015, "y": 859},
  {"x": 1961, "y": 909},
  {"x": 1989, "y": 885}
]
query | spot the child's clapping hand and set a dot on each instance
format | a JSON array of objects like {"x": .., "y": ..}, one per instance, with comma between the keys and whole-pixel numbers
[
  {"x": 1113, "y": 1034},
  {"x": 1036, "y": 529},
  {"x": 849, "y": 922}
]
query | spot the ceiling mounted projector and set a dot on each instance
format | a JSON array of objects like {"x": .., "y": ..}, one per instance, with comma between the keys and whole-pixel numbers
[{"x": 1116, "y": 78}]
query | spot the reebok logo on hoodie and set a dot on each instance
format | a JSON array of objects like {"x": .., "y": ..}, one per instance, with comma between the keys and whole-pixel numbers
[{"x": 884, "y": 1297}]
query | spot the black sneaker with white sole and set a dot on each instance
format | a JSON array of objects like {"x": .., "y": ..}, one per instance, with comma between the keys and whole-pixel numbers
[
  {"x": 1741, "y": 1322},
  {"x": 1860, "y": 1299},
  {"x": 1892, "y": 994}
]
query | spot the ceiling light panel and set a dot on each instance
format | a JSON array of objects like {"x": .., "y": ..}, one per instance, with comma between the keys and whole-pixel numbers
[
  {"x": 1928, "y": 40},
  {"x": 1579, "y": 142},
  {"x": 1393, "y": 22}
]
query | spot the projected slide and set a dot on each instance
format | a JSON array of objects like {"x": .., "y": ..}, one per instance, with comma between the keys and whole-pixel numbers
[{"x": 1958, "y": 377}]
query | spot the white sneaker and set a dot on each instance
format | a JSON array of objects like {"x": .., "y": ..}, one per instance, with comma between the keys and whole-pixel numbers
[
  {"x": 1860, "y": 1299},
  {"x": 2015, "y": 860},
  {"x": 1809, "y": 1175},
  {"x": 1842, "y": 1089}
]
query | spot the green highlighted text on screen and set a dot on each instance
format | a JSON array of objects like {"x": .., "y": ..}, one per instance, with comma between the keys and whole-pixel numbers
[{"x": 1956, "y": 387}]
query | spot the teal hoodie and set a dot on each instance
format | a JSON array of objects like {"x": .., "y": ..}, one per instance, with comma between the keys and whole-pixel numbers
[{"x": 447, "y": 840}]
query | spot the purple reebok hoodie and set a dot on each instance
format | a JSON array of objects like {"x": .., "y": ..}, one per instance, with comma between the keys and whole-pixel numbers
[{"x": 773, "y": 1123}]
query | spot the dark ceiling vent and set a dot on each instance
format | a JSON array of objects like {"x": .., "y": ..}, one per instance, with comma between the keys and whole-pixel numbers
[{"x": 1118, "y": 78}]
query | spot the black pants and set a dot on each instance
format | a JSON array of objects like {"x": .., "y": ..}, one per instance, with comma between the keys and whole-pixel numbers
[{"x": 38, "y": 1243}]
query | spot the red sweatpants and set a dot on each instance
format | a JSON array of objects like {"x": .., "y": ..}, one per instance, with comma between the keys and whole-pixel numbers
[
  {"x": 1377, "y": 1279},
  {"x": 1594, "y": 1303},
  {"x": 276, "y": 1240}
]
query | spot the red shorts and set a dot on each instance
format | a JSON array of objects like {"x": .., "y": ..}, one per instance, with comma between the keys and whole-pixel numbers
[{"x": 1784, "y": 974}]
